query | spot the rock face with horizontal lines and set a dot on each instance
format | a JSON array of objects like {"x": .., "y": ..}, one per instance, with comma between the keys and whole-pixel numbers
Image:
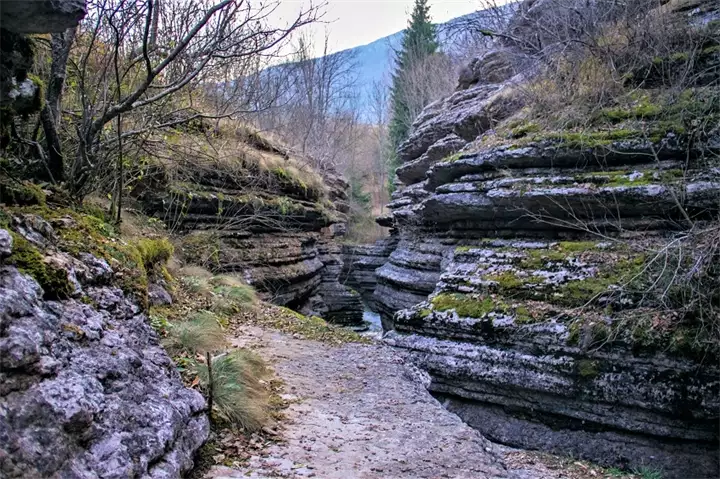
[
  {"x": 275, "y": 229},
  {"x": 524, "y": 279},
  {"x": 360, "y": 263}
]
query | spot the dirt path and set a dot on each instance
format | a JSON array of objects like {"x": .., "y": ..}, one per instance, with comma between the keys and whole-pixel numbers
[
  {"x": 358, "y": 413},
  {"x": 361, "y": 412}
]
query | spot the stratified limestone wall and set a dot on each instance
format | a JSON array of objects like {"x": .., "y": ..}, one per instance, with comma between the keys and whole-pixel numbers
[
  {"x": 360, "y": 263},
  {"x": 534, "y": 328},
  {"x": 281, "y": 236}
]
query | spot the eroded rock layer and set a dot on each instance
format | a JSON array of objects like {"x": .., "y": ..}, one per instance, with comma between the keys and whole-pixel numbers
[
  {"x": 86, "y": 390},
  {"x": 276, "y": 231},
  {"x": 525, "y": 276},
  {"x": 360, "y": 263}
]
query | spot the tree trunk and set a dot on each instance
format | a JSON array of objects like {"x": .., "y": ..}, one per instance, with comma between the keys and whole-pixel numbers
[{"x": 50, "y": 114}]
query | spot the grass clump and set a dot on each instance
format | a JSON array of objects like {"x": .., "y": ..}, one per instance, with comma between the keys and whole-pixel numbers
[
  {"x": 200, "y": 334},
  {"x": 196, "y": 285},
  {"x": 648, "y": 473},
  {"x": 154, "y": 252},
  {"x": 239, "y": 396}
]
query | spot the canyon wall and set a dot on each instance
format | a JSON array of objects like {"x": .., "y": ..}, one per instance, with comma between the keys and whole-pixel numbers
[
  {"x": 265, "y": 223},
  {"x": 522, "y": 279}
]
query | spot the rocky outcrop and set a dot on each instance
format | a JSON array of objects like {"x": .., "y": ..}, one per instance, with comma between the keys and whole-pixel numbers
[
  {"x": 275, "y": 229},
  {"x": 522, "y": 280},
  {"x": 534, "y": 331},
  {"x": 334, "y": 301},
  {"x": 86, "y": 390},
  {"x": 21, "y": 93},
  {"x": 47, "y": 16}
]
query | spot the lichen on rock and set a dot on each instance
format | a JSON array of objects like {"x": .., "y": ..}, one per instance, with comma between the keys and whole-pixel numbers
[{"x": 531, "y": 273}]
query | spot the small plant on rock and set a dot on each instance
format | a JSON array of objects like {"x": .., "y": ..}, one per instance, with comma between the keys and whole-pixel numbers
[{"x": 155, "y": 252}]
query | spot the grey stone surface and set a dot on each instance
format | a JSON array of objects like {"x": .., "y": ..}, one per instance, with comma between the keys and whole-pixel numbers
[
  {"x": 87, "y": 391},
  {"x": 41, "y": 16},
  {"x": 359, "y": 411},
  {"x": 158, "y": 296},
  {"x": 6, "y": 243},
  {"x": 476, "y": 205}
]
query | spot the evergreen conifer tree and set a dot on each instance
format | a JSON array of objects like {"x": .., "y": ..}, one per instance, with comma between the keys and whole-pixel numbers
[{"x": 419, "y": 42}]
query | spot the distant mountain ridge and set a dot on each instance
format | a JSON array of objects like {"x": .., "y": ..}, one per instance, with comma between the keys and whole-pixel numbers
[{"x": 375, "y": 63}]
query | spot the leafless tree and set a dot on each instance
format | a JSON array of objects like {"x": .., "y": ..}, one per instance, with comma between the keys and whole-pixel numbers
[
  {"x": 137, "y": 67},
  {"x": 316, "y": 113}
]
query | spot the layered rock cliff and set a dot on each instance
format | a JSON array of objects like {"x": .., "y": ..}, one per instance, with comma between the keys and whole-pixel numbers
[
  {"x": 263, "y": 213},
  {"x": 360, "y": 263},
  {"x": 525, "y": 275}
]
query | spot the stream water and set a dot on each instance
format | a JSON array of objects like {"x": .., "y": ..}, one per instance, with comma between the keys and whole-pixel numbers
[{"x": 373, "y": 319}]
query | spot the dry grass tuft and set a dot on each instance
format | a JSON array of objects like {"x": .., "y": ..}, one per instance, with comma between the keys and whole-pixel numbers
[
  {"x": 194, "y": 271},
  {"x": 201, "y": 334},
  {"x": 240, "y": 396}
]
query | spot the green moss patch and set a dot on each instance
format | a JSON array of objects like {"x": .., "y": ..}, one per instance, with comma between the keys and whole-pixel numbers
[
  {"x": 155, "y": 252},
  {"x": 474, "y": 306},
  {"x": 82, "y": 233},
  {"x": 28, "y": 259},
  {"x": 20, "y": 194}
]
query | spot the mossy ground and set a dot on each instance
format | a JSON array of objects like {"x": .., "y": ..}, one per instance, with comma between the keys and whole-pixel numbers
[
  {"x": 478, "y": 306},
  {"x": 635, "y": 115}
]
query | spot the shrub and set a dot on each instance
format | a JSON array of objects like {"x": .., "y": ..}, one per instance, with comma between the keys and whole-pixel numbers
[
  {"x": 239, "y": 396},
  {"x": 201, "y": 334}
]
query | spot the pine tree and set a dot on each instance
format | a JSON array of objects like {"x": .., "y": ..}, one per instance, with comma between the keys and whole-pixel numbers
[{"x": 419, "y": 42}]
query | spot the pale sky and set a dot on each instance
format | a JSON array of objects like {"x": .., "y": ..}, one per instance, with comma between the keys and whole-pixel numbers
[{"x": 357, "y": 22}]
